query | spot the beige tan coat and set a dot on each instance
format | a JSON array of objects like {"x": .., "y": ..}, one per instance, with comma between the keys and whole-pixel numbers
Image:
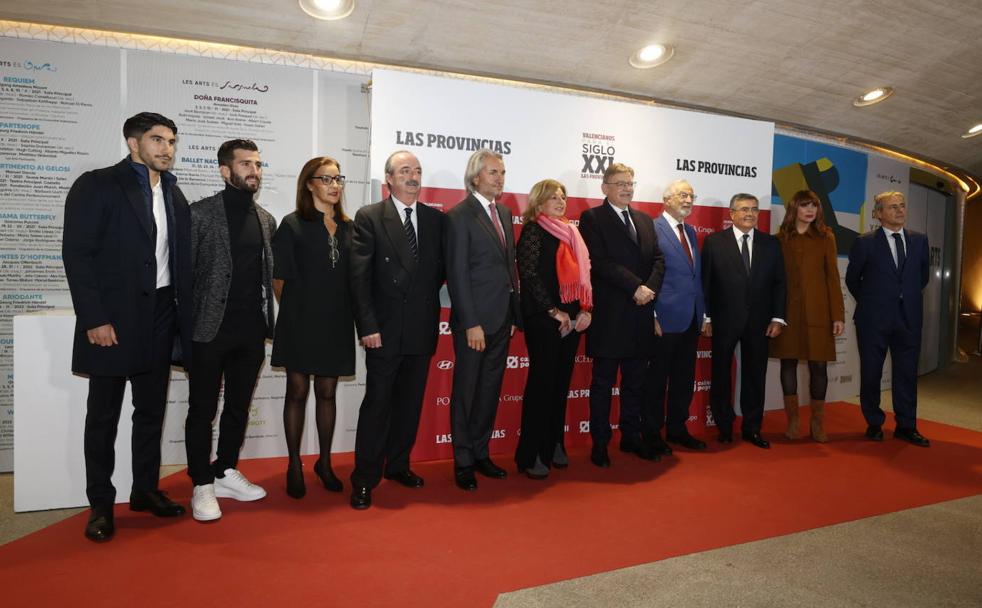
[{"x": 814, "y": 297}]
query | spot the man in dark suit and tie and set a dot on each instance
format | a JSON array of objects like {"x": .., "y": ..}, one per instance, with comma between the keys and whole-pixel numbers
[
  {"x": 888, "y": 269},
  {"x": 483, "y": 283},
  {"x": 744, "y": 286},
  {"x": 679, "y": 312},
  {"x": 397, "y": 268},
  {"x": 127, "y": 254},
  {"x": 626, "y": 270}
]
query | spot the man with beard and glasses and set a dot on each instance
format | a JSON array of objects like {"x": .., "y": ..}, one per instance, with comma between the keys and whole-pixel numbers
[
  {"x": 232, "y": 263},
  {"x": 397, "y": 269},
  {"x": 127, "y": 260},
  {"x": 679, "y": 312}
]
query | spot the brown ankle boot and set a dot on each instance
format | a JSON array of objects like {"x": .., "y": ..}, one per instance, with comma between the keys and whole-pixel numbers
[
  {"x": 791, "y": 409},
  {"x": 818, "y": 422}
]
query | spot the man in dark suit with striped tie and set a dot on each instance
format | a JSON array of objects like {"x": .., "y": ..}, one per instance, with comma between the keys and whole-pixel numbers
[
  {"x": 397, "y": 268},
  {"x": 888, "y": 269}
]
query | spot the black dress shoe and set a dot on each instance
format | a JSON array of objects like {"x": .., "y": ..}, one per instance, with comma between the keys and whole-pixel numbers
[
  {"x": 487, "y": 468},
  {"x": 725, "y": 437},
  {"x": 874, "y": 432},
  {"x": 687, "y": 441},
  {"x": 464, "y": 478},
  {"x": 599, "y": 457},
  {"x": 100, "y": 526},
  {"x": 657, "y": 446},
  {"x": 295, "y": 487},
  {"x": 361, "y": 498},
  {"x": 406, "y": 478},
  {"x": 911, "y": 435},
  {"x": 757, "y": 440},
  {"x": 328, "y": 478},
  {"x": 156, "y": 502}
]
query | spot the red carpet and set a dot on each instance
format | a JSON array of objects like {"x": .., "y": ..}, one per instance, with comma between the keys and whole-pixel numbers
[{"x": 440, "y": 546}]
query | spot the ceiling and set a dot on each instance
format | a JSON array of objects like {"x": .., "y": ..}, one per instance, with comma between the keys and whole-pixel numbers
[{"x": 796, "y": 62}]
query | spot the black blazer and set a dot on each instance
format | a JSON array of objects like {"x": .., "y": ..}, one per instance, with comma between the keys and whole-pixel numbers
[
  {"x": 481, "y": 274},
  {"x": 394, "y": 293},
  {"x": 620, "y": 328},
  {"x": 734, "y": 301},
  {"x": 876, "y": 284},
  {"x": 108, "y": 249}
]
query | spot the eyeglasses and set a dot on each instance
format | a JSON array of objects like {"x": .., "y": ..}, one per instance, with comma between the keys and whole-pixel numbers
[
  {"x": 684, "y": 195},
  {"x": 327, "y": 179},
  {"x": 754, "y": 210},
  {"x": 622, "y": 185}
]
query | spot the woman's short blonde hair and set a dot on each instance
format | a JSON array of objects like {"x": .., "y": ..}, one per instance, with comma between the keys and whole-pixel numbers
[{"x": 541, "y": 192}]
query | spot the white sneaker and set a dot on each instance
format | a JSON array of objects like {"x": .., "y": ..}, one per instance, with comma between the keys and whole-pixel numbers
[
  {"x": 204, "y": 506},
  {"x": 235, "y": 485}
]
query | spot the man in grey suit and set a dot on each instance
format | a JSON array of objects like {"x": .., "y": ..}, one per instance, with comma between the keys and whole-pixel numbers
[
  {"x": 232, "y": 264},
  {"x": 483, "y": 283}
]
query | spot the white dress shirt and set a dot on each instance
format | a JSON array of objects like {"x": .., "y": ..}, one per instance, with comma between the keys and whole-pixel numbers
[
  {"x": 163, "y": 245},
  {"x": 892, "y": 242}
]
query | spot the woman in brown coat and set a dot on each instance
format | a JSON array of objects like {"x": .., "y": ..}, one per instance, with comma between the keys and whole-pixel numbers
[{"x": 815, "y": 311}]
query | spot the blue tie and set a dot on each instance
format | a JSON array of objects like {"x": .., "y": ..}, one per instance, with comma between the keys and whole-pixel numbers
[{"x": 901, "y": 254}]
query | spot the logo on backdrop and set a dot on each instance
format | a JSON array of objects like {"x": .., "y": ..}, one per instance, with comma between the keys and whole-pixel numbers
[
  {"x": 693, "y": 165},
  {"x": 598, "y": 153},
  {"x": 441, "y": 141}
]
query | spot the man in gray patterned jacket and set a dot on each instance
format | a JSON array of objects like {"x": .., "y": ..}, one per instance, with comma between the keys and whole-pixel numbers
[{"x": 233, "y": 316}]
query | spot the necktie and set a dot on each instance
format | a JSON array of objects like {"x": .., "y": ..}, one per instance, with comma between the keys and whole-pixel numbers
[
  {"x": 901, "y": 254},
  {"x": 411, "y": 232},
  {"x": 685, "y": 243},
  {"x": 745, "y": 252},
  {"x": 497, "y": 223},
  {"x": 630, "y": 227}
]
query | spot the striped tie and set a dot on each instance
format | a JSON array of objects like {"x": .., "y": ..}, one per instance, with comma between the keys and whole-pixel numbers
[{"x": 411, "y": 232}]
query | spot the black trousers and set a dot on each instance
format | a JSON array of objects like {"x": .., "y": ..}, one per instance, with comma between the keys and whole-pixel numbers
[
  {"x": 753, "y": 373},
  {"x": 633, "y": 373},
  {"x": 551, "y": 358},
  {"x": 905, "y": 350},
  {"x": 105, "y": 402},
  {"x": 476, "y": 389},
  {"x": 673, "y": 366},
  {"x": 236, "y": 354},
  {"x": 389, "y": 415}
]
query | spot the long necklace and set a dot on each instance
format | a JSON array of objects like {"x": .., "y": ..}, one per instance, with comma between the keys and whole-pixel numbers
[{"x": 335, "y": 252}]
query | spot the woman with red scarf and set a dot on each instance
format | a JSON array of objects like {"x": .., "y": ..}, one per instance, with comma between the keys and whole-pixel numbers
[{"x": 556, "y": 297}]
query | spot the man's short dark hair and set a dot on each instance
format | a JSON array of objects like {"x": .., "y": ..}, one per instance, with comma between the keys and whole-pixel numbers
[
  {"x": 138, "y": 124},
  {"x": 226, "y": 151}
]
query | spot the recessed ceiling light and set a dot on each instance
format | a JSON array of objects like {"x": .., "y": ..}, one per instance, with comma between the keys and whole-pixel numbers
[
  {"x": 328, "y": 10},
  {"x": 874, "y": 96},
  {"x": 976, "y": 130},
  {"x": 651, "y": 56}
]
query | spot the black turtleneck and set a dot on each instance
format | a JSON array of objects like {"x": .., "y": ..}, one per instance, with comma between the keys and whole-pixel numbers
[{"x": 244, "y": 304}]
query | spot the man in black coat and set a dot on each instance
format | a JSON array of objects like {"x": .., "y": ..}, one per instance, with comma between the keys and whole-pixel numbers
[
  {"x": 627, "y": 269},
  {"x": 744, "y": 287},
  {"x": 127, "y": 252},
  {"x": 483, "y": 281},
  {"x": 397, "y": 269}
]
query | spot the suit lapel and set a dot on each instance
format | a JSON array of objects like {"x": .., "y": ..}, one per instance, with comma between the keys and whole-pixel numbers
[
  {"x": 135, "y": 195},
  {"x": 484, "y": 219},
  {"x": 669, "y": 235},
  {"x": 884, "y": 249},
  {"x": 396, "y": 232},
  {"x": 615, "y": 216}
]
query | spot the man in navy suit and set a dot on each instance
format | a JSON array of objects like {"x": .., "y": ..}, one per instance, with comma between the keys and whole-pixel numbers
[
  {"x": 888, "y": 269},
  {"x": 744, "y": 285},
  {"x": 678, "y": 320},
  {"x": 127, "y": 254},
  {"x": 626, "y": 270}
]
